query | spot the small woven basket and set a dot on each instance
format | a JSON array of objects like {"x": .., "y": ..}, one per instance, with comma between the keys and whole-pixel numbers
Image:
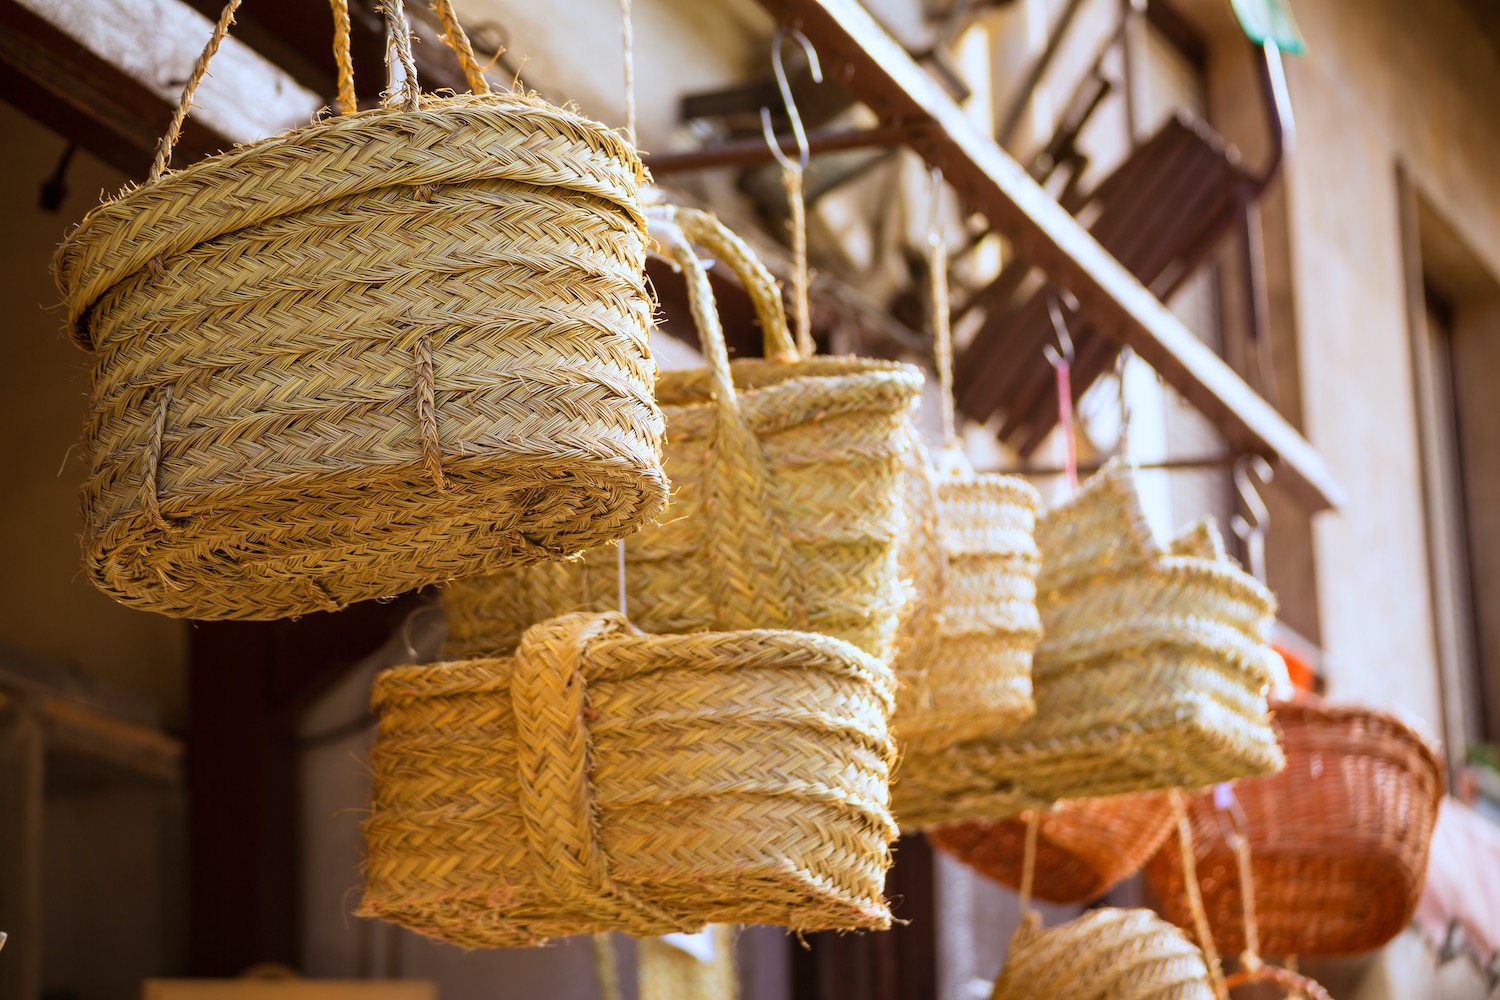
[
  {"x": 1084, "y": 848},
  {"x": 1152, "y": 674},
  {"x": 388, "y": 348},
  {"x": 787, "y": 491},
  {"x": 603, "y": 780},
  {"x": 1339, "y": 839},
  {"x": 1105, "y": 954},
  {"x": 965, "y": 660}
]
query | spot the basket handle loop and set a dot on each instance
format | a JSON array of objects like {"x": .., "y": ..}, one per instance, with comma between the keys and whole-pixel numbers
[
  {"x": 1281, "y": 977},
  {"x": 750, "y": 558},
  {"x": 200, "y": 70},
  {"x": 708, "y": 232}
]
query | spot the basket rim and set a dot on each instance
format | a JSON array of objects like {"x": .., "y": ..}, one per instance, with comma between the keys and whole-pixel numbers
[{"x": 148, "y": 215}]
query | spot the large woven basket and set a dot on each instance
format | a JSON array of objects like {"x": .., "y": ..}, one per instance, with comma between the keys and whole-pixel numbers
[
  {"x": 965, "y": 663},
  {"x": 382, "y": 350},
  {"x": 1338, "y": 841},
  {"x": 787, "y": 491},
  {"x": 1152, "y": 673},
  {"x": 1084, "y": 848},
  {"x": 1105, "y": 954},
  {"x": 602, "y": 779}
]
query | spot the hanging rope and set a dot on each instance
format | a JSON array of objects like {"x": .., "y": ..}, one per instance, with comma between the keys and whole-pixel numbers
[
  {"x": 942, "y": 333},
  {"x": 627, "y": 44},
  {"x": 606, "y": 969},
  {"x": 1195, "y": 896},
  {"x": 347, "y": 101},
  {"x": 200, "y": 69},
  {"x": 791, "y": 179},
  {"x": 1028, "y": 860}
]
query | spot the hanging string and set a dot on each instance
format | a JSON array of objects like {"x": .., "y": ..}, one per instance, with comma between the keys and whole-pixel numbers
[
  {"x": 620, "y": 569},
  {"x": 398, "y": 47},
  {"x": 942, "y": 333},
  {"x": 791, "y": 178},
  {"x": 1123, "y": 366},
  {"x": 1062, "y": 365},
  {"x": 200, "y": 70},
  {"x": 1028, "y": 859},
  {"x": 1195, "y": 896},
  {"x": 627, "y": 44},
  {"x": 606, "y": 969},
  {"x": 347, "y": 101},
  {"x": 1251, "y": 956}
]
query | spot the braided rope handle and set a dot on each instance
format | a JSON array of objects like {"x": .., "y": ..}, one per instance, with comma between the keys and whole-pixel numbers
[
  {"x": 1281, "y": 977},
  {"x": 554, "y": 754},
  {"x": 752, "y": 575},
  {"x": 765, "y": 298},
  {"x": 408, "y": 97}
]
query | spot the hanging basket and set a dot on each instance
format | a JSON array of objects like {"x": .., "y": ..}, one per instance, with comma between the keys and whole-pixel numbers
[
  {"x": 787, "y": 491},
  {"x": 965, "y": 664},
  {"x": 1152, "y": 674},
  {"x": 380, "y": 351},
  {"x": 1339, "y": 839},
  {"x": 1105, "y": 954},
  {"x": 603, "y": 780},
  {"x": 1084, "y": 848}
]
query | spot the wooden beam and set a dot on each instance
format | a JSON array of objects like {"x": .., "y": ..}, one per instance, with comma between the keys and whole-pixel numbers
[{"x": 862, "y": 57}]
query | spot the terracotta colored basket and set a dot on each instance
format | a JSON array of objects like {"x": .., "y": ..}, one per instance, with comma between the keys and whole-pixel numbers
[
  {"x": 1084, "y": 848},
  {"x": 1338, "y": 841},
  {"x": 965, "y": 662},
  {"x": 1105, "y": 954},
  {"x": 1152, "y": 674},
  {"x": 787, "y": 491},
  {"x": 602, "y": 780},
  {"x": 376, "y": 352}
]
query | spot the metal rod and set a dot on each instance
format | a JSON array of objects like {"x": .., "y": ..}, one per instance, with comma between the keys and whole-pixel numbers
[
  {"x": 750, "y": 152},
  {"x": 1165, "y": 465}
]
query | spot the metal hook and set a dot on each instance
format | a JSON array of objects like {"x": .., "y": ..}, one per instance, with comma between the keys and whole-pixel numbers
[
  {"x": 1060, "y": 327},
  {"x": 1252, "y": 530},
  {"x": 804, "y": 154}
]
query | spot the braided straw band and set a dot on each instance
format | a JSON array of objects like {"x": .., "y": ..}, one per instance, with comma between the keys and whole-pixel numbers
[
  {"x": 375, "y": 353},
  {"x": 606, "y": 780}
]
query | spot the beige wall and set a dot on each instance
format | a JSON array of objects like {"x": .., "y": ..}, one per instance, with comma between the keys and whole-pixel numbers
[
  {"x": 47, "y": 607},
  {"x": 1380, "y": 87}
]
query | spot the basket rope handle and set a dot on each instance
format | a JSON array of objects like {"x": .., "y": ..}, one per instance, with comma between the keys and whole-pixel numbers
[
  {"x": 1281, "y": 977},
  {"x": 407, "y": 98},
  {"x": 708, "y": 232},
  {"x": 1194, "y": 894},
  {"x": 750, "y": 555}
]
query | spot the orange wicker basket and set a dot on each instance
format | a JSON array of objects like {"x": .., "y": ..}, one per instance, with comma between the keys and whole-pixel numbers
[
  {"x": 1339, "y": 840},
  {"x": 1084, "y": 847}
]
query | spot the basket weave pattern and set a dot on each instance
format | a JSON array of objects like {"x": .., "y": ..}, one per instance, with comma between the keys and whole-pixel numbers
[
  {"x": 965, "y": 669},
  {"x": 1338, "y": 841},
  {"x": 1152, "y": 673},
  {"x": 375, "y": 352},
  {"x": 1084, "y": 848},
  {"x": 786, "y": 509},
  {"x": 606, "y": 780},
  {"x": 1103, "y": 955}
]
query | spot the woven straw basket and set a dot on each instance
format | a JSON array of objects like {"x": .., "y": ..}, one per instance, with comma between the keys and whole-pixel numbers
[
  {"x": 787, "y": 491},
  {"x": 1338, "y": 841},
  {"x": 965, "y": 665},
  {"x": 606, "y": 780},
  {"x": 1084, "y": 848},
  {"x": 376, "y": 352},
  {"x": 1103, "y": 955},
  {"x": 1152, "y": 674}
]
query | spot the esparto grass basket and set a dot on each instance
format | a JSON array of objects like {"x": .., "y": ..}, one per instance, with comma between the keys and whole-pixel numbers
[
  {"x": 385, "y": 349},
  {"x": 787, "y": 476},
  {"x": 1106, "y": 954},
  {"x": 602, "y": 779},
  {"x": 964, "y": 661},
  {"x": 1152, "y": 673},
  {"x": 1084, "y": 847},
  {"x": 1338, "y": 841}
]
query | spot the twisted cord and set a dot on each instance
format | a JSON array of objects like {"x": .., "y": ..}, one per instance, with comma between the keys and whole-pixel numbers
[
  {"x": 347, "y": 102},
  {"x": 627, "y": 44},
  {"x": 792, "y": 177},
  {"x": 200, "y": 70},
  {"x": 458, "y": 40},
  {"x": 1195, "y": 896}
]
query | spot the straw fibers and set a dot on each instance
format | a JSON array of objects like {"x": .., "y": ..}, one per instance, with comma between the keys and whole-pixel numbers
[
  {"x": 787, "y": 479},
  {"x": 1338, "y": 841},
  {"x": 376, "y": 352},
  {"x": 1105, "y": 954},
  {"x": 1152, "y": 674},
  {"x": 607, "y": 780},
  {"x": 1084, "y": 847},
  {"x": 965, "y": 663}
]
